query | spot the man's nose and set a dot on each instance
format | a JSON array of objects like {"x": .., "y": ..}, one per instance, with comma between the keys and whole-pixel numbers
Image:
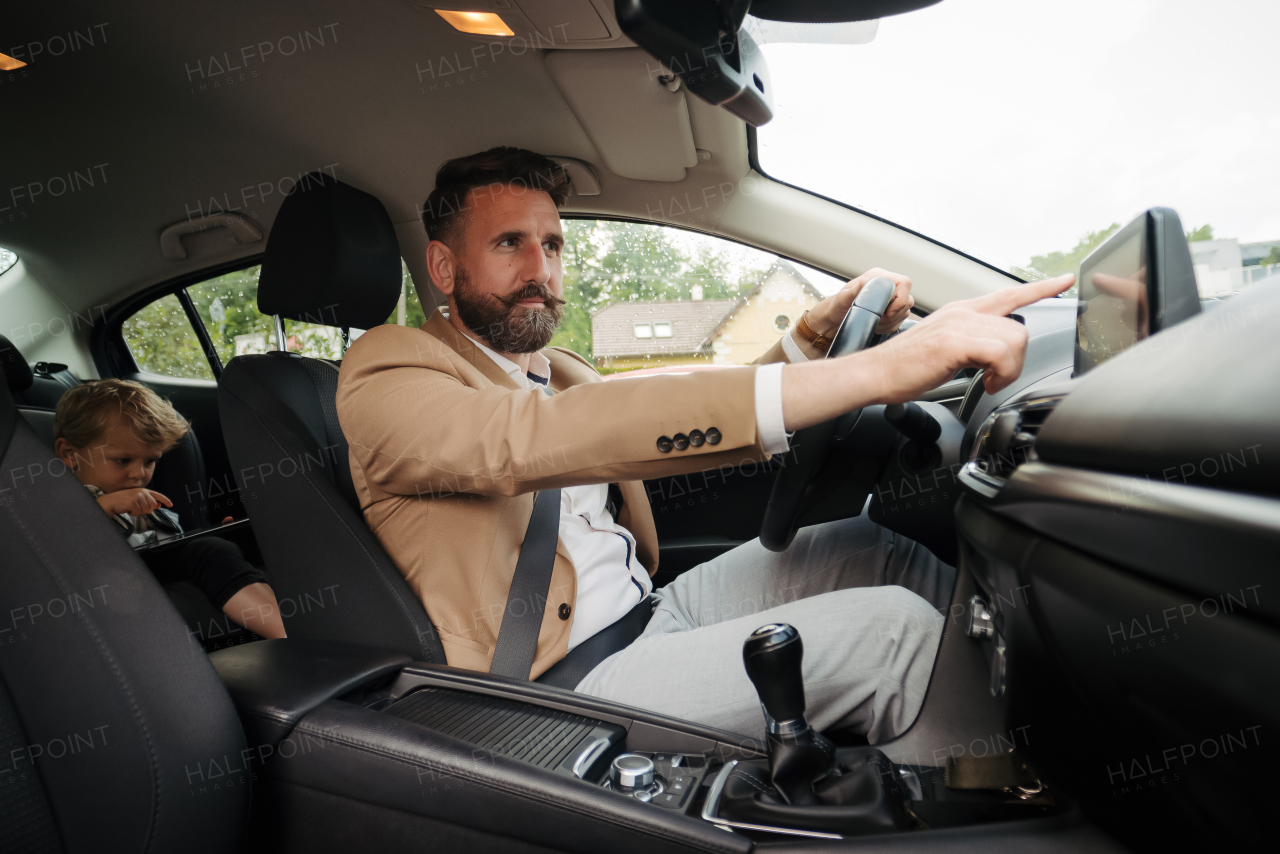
[{"x": 534, "y": 266}]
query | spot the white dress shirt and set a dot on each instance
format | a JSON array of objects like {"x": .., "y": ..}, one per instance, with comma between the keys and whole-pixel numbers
[{"x": 611, "y": 580}]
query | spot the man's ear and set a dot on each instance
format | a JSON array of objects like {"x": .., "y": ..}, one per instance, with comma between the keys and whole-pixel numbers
[{"x": 441, "y": 263}]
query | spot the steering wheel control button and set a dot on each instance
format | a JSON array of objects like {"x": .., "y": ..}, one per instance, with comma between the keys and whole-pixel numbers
[
  {"x": 713, "y": 436},
  {"x": 564, "y": 611},
  {"x": 697, "y": 438},
  {"x": 680, "y": 440},
  {"x": 632, "y": 771},
  {"x": 665, "y": 444}
]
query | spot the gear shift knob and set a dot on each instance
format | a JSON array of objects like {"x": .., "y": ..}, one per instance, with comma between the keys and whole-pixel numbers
[{"x": 772, "y": 655}]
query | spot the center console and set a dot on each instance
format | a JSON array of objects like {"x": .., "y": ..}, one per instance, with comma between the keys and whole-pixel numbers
[{"x": 351, "y": 747}]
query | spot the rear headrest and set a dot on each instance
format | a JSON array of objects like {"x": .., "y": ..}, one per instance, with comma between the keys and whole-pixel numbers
[
  {"x": 332, "y": 257},
  {"x": 17, "y": 373}
]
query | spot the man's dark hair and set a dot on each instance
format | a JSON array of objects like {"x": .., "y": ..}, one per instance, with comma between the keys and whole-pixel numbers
[{"x": 516, "y": 167}]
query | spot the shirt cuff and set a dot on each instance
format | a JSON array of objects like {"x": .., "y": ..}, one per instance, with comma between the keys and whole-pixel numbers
[
  {"x": 792, "y": 349},
  {"x": 769, "y": 423}
]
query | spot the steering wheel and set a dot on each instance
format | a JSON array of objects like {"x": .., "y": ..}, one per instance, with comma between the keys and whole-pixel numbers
[{"x": 811, "y": 444}]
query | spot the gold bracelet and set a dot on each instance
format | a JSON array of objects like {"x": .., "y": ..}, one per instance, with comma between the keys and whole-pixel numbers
[{"x": 821, "y": 343}]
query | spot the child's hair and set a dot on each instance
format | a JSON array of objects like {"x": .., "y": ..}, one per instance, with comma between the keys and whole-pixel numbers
[{"x": 83, "y": 413}]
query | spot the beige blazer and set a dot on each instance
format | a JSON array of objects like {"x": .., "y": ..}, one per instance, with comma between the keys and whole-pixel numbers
[{"x": 446, "y": 453}]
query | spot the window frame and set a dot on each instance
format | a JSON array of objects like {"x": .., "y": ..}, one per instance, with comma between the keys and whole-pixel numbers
[{"x": 111, "y": 352}]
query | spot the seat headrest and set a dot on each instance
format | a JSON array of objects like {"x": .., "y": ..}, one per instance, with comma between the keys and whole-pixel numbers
[
  {"x": 332, "y": 257},
  {"x": 17, "y": 373}
]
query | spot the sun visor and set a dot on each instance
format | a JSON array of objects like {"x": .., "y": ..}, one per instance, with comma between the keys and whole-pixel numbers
[{"x": 624, "y": 101}]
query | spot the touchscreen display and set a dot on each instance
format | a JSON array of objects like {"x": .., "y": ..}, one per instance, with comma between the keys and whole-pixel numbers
[{"x": 1112, "y": 312}]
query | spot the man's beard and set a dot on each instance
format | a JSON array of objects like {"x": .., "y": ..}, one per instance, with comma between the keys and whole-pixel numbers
[{"x": 508, "y": 326}]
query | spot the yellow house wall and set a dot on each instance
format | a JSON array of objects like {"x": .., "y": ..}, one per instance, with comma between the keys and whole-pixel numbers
[{"x": 751, "y": 332}]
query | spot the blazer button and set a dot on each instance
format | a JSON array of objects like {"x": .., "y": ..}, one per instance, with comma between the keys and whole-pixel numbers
[
  {"x": 713, "y": 436},
  {"x": 564, "y": 611},
  {"x": 680, "y": 440},
  {"x": 664, "y": 444},
  {"x": 697, "y": 438}
]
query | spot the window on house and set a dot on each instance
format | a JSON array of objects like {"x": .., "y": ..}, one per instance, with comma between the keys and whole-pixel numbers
[
  {"x": 642, "y": 330},
  {"x": 782, "y": 323},
  {"x": 661, "y": 329}
]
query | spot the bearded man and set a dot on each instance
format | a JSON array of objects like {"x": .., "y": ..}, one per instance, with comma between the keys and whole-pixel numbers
[{"x": 455, "y": 426}]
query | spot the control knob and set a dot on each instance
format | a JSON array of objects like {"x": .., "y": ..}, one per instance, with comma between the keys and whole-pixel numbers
[{"x": 632, "y": 771}]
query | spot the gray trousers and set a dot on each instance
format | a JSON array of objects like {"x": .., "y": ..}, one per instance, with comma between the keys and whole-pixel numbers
[{"x": 868, "y": 604}]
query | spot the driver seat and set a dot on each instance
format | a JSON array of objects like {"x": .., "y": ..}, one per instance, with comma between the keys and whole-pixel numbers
[{"x": 333, "y": 258}]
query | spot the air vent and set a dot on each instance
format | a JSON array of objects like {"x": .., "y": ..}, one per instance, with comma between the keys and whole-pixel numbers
[{"x": 1005, "y": 441}]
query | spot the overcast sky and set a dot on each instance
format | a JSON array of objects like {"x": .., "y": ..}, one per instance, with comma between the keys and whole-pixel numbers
[{"x": 1008, "y": 128}]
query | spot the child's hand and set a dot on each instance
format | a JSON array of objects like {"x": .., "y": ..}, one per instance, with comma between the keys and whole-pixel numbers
[{"x": 135, "y": 502}]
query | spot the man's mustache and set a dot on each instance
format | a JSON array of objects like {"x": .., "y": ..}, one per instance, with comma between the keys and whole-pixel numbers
[{"x": 531, "y": 291}]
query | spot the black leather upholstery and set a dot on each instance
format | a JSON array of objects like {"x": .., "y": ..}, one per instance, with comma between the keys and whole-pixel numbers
[
  {"x": 363, "y": 755},
  {"x": 274, "y": 683},
  {"x": 313, "y": 538},
  {"x": 17, "y": 373},
  {"x": 332, "y": 257},
  {"x": 122, "y": 716}
]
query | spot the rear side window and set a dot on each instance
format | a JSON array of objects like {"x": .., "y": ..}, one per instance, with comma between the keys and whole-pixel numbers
[{"x": 162, "y": 341}]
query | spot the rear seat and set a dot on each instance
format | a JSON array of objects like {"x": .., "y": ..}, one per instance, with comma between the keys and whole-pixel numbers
[
  {"x": 180, "y": 471},
  {"x": 36, "y": 394}
]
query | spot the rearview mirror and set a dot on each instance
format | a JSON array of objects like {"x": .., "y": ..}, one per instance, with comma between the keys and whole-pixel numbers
[
  {"x": 1138, "y": 282},
  {"x": 702, "y": 42}
]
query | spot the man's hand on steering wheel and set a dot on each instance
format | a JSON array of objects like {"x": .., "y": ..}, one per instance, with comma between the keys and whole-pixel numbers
[
  {"x": 972, "y": 333},
  {"x": 825, "y": 317}
]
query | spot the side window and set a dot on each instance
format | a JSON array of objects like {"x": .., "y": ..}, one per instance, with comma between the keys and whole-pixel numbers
[
  {"x": 228, "y": 307},
  {"x": 162, "y": 341},
  {"x": 644, "y": 296}
]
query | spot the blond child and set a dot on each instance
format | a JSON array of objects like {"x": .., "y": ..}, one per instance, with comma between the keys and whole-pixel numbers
[{"x": 111, "y": 433}]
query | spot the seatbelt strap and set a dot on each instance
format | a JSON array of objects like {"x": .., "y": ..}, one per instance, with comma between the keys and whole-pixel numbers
[{"x": 517, "y": 643}]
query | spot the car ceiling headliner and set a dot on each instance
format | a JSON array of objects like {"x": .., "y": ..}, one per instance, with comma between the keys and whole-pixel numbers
[{"x": 356, "y": 106}]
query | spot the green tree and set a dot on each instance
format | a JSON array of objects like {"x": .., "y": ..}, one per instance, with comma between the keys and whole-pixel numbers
[
  {"x": 1057, "y": 263},
  {"x": 610, "y": 262},
  {"x": 162, "y": 342},
  {"x": 414, "y": 314},
  {"x": 1273, "y": 257},
  {"x": 1204, "y": 232}
]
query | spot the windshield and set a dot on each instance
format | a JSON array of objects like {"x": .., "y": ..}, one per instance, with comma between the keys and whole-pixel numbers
[{"x": 1024, "y": 134}]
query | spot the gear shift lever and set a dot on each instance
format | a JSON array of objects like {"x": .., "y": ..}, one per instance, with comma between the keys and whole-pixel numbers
[
  {"x": 772, "y": 655},
  {"x": 799, "y": 756}
]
